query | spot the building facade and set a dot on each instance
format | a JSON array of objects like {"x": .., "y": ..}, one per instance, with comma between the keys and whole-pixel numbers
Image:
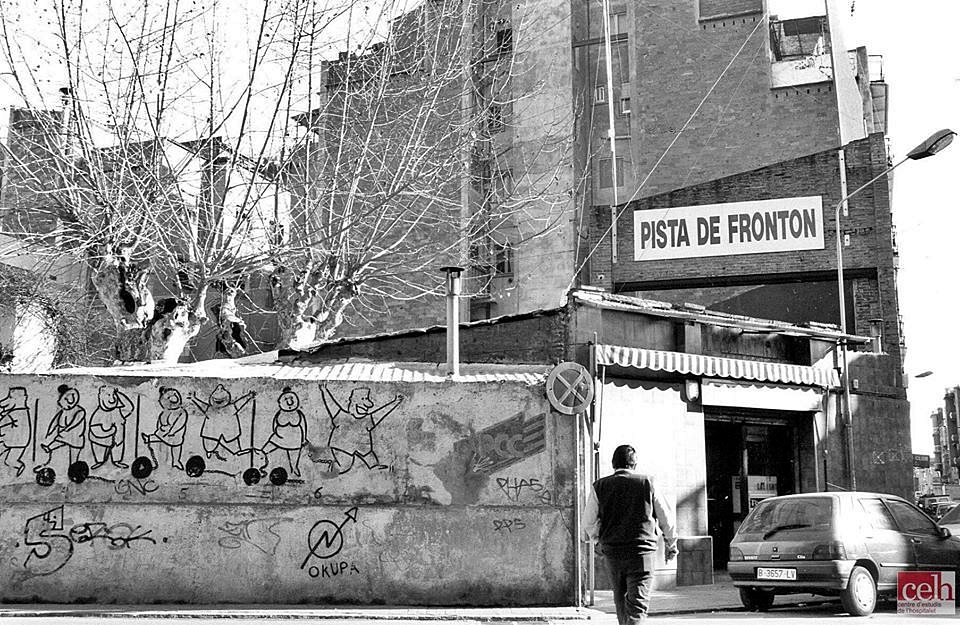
[
  {"x": 764, "y": 243},
  {"x": 946, "y": 433},
  {"x": 724, "y": 409},
  {"x": 711, "y": 102}
]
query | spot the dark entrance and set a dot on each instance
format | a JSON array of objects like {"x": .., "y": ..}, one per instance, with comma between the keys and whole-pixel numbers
[{"x": 749, "y": 458}]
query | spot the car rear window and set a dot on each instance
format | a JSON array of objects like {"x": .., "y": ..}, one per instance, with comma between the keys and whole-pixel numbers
[
  {"x": 951, "y": 517},
  {"x": 789, "y": 514}
]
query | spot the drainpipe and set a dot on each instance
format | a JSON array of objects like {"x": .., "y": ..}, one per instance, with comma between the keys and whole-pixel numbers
[{"x": 453, "y": 319}]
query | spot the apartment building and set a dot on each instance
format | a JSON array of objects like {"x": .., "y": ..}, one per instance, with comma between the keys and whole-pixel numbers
[{"x": 946, "y": 433}]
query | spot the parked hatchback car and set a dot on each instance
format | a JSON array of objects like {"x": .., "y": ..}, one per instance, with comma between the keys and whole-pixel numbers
[
  {"x": 951, "y": 520},
  {"x": 850, "y": 544}
]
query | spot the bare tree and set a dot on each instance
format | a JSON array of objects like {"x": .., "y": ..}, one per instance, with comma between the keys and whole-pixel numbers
[{"x": 180, "y": 156}]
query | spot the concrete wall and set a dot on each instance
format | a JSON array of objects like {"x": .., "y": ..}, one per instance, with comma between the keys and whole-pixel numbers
[
  {"x": 457, "y": 494},
  {"x": 669, "y": 439}
]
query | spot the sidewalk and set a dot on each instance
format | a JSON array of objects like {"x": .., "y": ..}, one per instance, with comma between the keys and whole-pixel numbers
[{"x": 721, "y": 595}]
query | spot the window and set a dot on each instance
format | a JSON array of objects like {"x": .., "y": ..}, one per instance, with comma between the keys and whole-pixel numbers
[
  {"x": 911, "y": 520},
  {"x": 600, "y": 93},
  {"x": 606, "y": 175},
  {"x": 504, "y": 41},
  {"x": 795, "y": 39},
  {"x": 878, "y": 515},
  {"x": 621, "y": 58},
  {"x": 618, "y": 23},
  {"x": 624, "y": 107},
  {"x": 495, "y": 118},
  {"x": 503, "y": 261}
]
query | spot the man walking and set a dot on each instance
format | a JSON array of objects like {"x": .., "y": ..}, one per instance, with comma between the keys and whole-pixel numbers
[{"x": 623, "y": 511}]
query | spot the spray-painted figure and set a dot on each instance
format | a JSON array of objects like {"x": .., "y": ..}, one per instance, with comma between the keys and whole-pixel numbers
[
  {"x": 108, "y": 426},
  {"x": 351, "y": 433},
  {"x": 221, "y": 421},
  {"x": 171, "y": 424},
  {"x": 68, "y": 427},
  {"x": 14, "y": 428},
  {"x": 289, "y": 430}
]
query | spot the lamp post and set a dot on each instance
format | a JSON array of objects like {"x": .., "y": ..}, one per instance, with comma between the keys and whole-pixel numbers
[{"x": 935, "y": 143}]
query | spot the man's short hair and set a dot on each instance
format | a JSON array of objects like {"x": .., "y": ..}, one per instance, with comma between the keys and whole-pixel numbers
[{"x": 624, "y": 457}]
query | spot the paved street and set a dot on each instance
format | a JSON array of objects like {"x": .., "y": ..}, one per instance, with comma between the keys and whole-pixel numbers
[{"x": 785, "y": 611}]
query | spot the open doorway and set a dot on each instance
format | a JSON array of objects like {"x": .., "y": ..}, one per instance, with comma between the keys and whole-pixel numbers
[{"x": 748, "y": 459}]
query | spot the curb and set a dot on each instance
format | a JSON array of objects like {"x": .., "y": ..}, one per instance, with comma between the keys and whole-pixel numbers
[{"x": 329, "y": 614}]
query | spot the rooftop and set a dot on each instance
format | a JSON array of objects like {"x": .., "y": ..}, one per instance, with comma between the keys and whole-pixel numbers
[{"x": 266, "y": 366}]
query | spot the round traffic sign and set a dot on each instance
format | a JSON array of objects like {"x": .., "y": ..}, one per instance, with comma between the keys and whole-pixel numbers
[{"x": 569, "y": 388}]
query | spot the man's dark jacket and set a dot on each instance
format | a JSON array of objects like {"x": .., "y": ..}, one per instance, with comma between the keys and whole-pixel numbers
[{"x": 628, "y": 523}]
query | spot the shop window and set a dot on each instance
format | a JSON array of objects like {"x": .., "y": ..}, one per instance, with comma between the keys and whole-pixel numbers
[
  {"x": 799, "y": 38},
  {"x": 606, "y": 174}
]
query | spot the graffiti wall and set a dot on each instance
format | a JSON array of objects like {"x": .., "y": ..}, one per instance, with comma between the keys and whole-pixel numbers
[{"x": 131, "y": 489}]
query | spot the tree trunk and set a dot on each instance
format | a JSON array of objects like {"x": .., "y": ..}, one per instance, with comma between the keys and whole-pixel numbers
[
  {"x": 124, "y": 290},
  {"x": 148, "y": 331},
  {"x": 231, "y": 329},
  {"x": 303, "y": 316}
]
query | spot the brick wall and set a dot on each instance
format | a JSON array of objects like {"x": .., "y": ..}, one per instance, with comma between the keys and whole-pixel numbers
[
  {"x": 533, "y": 339},
  {"x": 674, "y": 61},
  {"x": 869, "y": 259},
  {"x": 717, "y": 8}
]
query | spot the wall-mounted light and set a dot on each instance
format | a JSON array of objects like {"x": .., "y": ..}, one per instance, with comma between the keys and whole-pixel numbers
[{"x": 693, "y": 390}]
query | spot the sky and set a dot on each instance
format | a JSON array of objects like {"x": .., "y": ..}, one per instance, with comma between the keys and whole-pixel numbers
[{"x": 921, "y": 64}]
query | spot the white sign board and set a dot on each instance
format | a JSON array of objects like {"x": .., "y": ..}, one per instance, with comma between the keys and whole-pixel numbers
[{"x": 781, "y": 225}]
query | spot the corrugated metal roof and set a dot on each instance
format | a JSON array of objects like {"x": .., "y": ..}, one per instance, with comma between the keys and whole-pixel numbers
[
  {"x": 699, "y": 314},
  {"x": 352, "y": 370}
]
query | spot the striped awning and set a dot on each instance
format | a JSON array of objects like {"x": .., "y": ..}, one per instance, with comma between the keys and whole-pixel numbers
[{"x": 715, "y": 367}]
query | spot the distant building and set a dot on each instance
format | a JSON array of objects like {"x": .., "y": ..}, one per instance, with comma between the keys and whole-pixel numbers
[{"x": 946, "y": 449}]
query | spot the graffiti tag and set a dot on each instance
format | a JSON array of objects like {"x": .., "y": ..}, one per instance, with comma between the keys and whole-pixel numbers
[
  {"x": 333, "y": 569},
  {"x": 125, "y": 486},
  {"x": 508, "y": 525},
  {"x": 52, "y": 547},
  {"x": 258, "y": 533},
  {"x": 514, "y": 487}
]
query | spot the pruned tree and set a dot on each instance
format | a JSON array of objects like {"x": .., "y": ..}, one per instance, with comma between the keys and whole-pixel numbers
[{"x": 183, "y": 152}]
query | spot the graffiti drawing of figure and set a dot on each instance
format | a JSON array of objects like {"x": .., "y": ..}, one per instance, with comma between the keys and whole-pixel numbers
[
  {"x": 14, "y": 427},
  {"x": 108, "y": 426},
  {"x": 171, "y": 424},
  {"x": 289, "y": 430},
  {"x": 221, "y": 421},
  {"x": 68, "y": 427},
  {"x": 351, "y": 433}
]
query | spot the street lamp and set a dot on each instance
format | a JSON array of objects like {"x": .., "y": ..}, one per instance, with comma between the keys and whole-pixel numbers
[{"x": 935, "y": 143}]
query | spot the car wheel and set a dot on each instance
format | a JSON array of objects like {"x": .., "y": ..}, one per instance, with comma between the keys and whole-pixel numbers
[
  {"x": 860, "y": 596},
  {"x": 755, "y": 599}
]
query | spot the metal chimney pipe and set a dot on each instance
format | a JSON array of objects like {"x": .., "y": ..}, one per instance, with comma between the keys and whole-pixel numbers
[{"x": 453, "y": 319}]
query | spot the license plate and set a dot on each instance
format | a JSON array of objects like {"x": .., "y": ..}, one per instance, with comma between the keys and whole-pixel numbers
[{"x": 786, "y": 574}]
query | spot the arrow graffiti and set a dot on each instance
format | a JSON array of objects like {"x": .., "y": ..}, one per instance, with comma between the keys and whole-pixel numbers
[{"x": 325, "y": 539}]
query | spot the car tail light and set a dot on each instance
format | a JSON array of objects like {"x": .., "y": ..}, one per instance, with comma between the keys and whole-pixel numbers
[
  {"x": 735, "y": 555},
  {"x": 830, "y": 551}
]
